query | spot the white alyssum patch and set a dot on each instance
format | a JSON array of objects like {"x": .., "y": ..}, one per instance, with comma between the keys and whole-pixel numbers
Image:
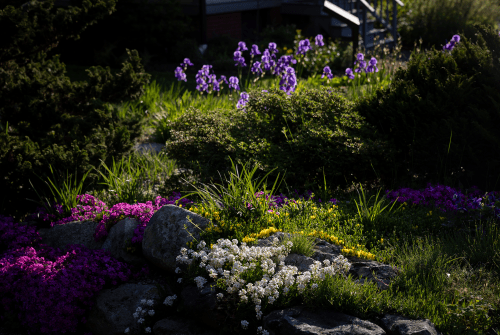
[{"x": 277, "y": 277}]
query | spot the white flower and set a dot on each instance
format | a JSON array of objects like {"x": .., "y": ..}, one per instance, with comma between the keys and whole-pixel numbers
[
  {"x": 179, "y": 280},
  {"x": 151, "y": 312},
  {"x": 200, "y": 281},
  {"x": 314, "y": 286},
  {"x": 244, "y": 324},
  {"x": 141, "y": 320},
  {"x": 148, "y": 330},
  {"x": 127, "y": 331},
  {"x": 169, "y": 301},
  {"x": 138, "y": 309},
  {"x": 220, "y": 296},
  {"x": 135, "y": 315},
  {"x": 178, "y": 270},
  {"x": 143, "y": 301}
]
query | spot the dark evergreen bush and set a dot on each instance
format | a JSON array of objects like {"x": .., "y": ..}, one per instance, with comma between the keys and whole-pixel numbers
[
  {"x": 305, "y": 134},
  {"x": 445, "y": 97},
  {"x": 70, "y": 126}
]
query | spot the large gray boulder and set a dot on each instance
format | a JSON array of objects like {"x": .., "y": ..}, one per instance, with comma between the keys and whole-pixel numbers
[
  {"x": 300, "y": 321},
  {"x": 167, "y": 232},
  {"x": 398, "y": 325}
]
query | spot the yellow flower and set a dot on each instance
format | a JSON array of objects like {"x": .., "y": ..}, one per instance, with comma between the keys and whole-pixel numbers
[
  {"x": 313, "y": 217},
  {"x": 381, "y": 240}
]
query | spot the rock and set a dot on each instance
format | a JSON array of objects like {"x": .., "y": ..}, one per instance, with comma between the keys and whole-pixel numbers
[
  {"x": 298, "y": 321},
  {"x": 202, "y": 303},
  {"x": 398, "y": 325},
  {"x": 361, "y": 269},
  {"x": 114, "y": 308},
  {"x": 117, "y": 240},
  {"x": 167, "y": 232},
  {"x": 179, "y": 326},
  {"x": 75, "y": 232}
]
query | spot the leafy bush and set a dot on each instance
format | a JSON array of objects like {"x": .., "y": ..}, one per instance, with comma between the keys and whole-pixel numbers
[
  {"x": 46, "y": 120},
  {"x": 436, "y": 21},
  {"x": 306, "y": 134},
  {"x": 442, "y": 112}
]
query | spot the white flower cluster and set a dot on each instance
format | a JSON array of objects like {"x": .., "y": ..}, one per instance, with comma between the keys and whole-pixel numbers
[
  {"x": 276, "y": 278},
  {"x": 140, "y": 312},
  {"x": 169, "y": 301}
]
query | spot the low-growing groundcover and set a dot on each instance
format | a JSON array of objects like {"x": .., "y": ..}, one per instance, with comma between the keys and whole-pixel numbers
[{"x": 447, "y": 276}]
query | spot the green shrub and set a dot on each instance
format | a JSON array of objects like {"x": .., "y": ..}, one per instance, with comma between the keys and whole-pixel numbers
[
  {"x": 442, "y": 113},
  {"x": 436, "y": 21},
  {"x": 304, "y": 134},
  {"x": 48, "y": 120}
]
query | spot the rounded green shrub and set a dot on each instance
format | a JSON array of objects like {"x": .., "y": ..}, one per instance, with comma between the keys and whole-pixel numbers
[
  {"x": 305, "y": 134},
  {"x": 442, "y": 113}
]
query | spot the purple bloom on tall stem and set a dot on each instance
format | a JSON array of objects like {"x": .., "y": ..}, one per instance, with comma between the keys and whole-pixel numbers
[
  {"x": 239, "y": 59},
  {"x": 360, "y": 57},
  {"x": 273, "y": 48},
  {"x": 348, "y": 73},
  {"x": 319, "y": 40},
  {"x": 454, "y": 40},
  {"x": 255, "y": 50},
  {"x": 256, "y": 68},
  {"x": 233, "y": 83},
  {"x": 242, "y": 46},
  {"x": 304, "y": 46},
  {"x": 179, "y": 74},
  {"x": 243, "y": 100},
  {"x": 372, "y": 65},
  {"x": 185, "y": 63},
  {"x": 327, "y": 72}
]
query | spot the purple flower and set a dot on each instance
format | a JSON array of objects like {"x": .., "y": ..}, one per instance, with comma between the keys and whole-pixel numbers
[
  {"x": 288, "y": 81},
  {"x": 319, "y": 40},
  {"x": 256, "y": 68},
  {"x": 361, "y": 68},
  {"x": 283, "y": 63},
  {"x": 255, "y": 50},
  {"x": 372, "y": 67},
  {"x": 242, "y": 46},
  {"x": 304, "y": 46},
  {"x": 454, "y": 40},
  {"x": 360, "y": 57},
  {"x": 239, "y": 59},
  {"x": 243, "y": 100},
  {"x": 273, "y": 48},
  {"x": 348, "y": 73},
  {"x": 185, "y": 63},
  {"x": 202, "y": 77},
  {"x": 233, "y": 83},
  {"x": 179, "y": 74},
  {"x": 327, "y": 72}
]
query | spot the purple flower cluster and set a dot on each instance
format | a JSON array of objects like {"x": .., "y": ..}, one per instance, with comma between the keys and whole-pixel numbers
[
  {"x": 304, "y": 47},
  {"x": 454, "y": 40},
  {"x": 319, "y": 40},
  {"x": 207, "y": 82},
  {"x": 288, "y": 81},
  {"x": 50, "y": 290},
  {"x": 283, "y": 63},
  {"x": 447, "y": 199},
  {"x": 256, "y": 69},
  {"x": 327, "y": 72},
  {"x": 243, "y": 100},
  {"x": 255, "y": 50},
  {"x": 234, "y": 83},
  {"x": 239, "y": 59},
  {"x": 179, "y": 71},
  {"x": 372, "y": 66}
]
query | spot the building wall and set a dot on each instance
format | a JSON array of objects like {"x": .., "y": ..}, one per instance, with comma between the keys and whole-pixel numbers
[{"x": 224, "y": 24}]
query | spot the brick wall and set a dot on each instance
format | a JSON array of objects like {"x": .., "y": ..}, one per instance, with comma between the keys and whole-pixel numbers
[{"x": 224, "y": 24}]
